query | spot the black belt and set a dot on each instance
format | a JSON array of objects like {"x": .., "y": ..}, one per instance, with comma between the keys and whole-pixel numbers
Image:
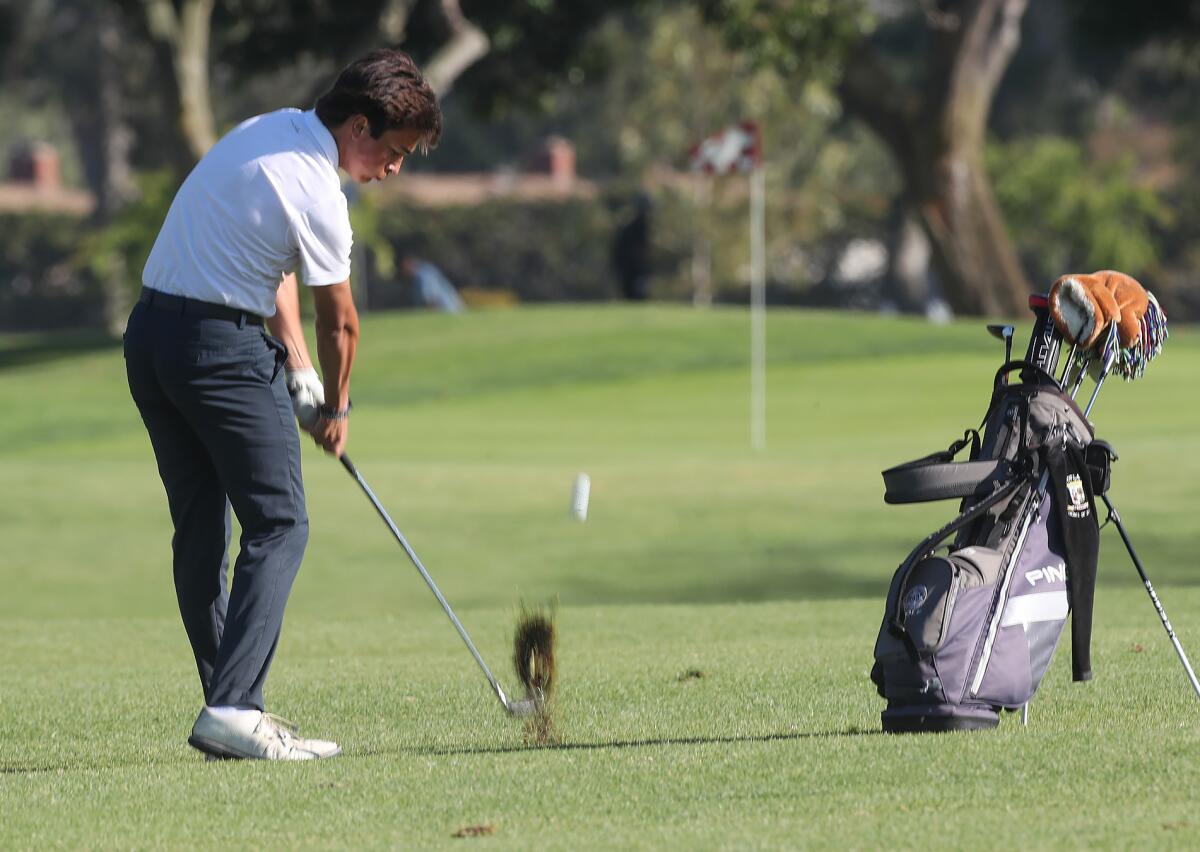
[{"x": 197, "y": 308}]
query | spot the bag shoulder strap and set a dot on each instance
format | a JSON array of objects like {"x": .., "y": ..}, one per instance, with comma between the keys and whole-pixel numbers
[{"x": 938, "y": 477}]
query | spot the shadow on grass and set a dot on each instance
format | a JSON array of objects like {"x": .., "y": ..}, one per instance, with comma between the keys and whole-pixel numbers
[
  {"x": 27, "y": 350},
  {"x": 649, "y": 742},
  {"x": 18, "y": 769}
]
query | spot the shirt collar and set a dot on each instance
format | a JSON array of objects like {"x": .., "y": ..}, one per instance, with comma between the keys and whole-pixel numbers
[{"x": 322, "y": 135}]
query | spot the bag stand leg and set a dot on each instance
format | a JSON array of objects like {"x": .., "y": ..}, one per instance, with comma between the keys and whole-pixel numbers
[{"x": 1162, "y": 613}]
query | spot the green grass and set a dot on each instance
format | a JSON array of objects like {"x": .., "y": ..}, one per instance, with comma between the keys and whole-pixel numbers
[{"x": 764, "y": 572}]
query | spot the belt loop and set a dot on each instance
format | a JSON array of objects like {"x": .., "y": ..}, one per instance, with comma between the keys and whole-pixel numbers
[{"x": 241, "y": 320}]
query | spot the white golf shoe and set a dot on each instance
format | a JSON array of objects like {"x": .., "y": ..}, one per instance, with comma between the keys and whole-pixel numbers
[{"x": 254, "y": 736}]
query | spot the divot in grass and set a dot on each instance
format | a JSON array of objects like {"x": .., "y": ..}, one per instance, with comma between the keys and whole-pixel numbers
[{"x": 475, "y": 830}]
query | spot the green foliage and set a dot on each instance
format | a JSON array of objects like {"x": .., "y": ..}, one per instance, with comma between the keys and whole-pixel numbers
[
  {"x": 799, "y": 40},
  {"x": 1069, "y": 214},
  {"x": 540, "y": 251},
  {"x": 39, "y": 285},
  {"x": 367, "y": 222},
  {"x": 673, "y": 81},
  {"x": 118, "y": 251}
]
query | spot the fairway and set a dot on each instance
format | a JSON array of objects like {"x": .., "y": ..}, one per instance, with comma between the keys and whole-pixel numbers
[{"x": 716, "y": 612}]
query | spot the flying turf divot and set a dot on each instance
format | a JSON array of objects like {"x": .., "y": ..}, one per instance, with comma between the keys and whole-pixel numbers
[{"x": 533, "y": 660}]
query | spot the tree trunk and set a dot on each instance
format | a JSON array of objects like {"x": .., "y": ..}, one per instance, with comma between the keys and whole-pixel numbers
[
  {"x": 191, "y": 70},
  {"x": 969, "y": 242},
  {"x": 937, "y": 136},
  {"x": 116, "y": 186},
  {"x": 181, "y": 48},
  {"x": 105, "y": 142}
]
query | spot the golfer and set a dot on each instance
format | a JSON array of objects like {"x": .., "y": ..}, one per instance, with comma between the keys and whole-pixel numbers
[{"x": 214, "y": 348}]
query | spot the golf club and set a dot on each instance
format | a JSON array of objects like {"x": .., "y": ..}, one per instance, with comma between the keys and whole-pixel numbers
[
  {"x": 1005, "y": 333},
  {"x": 1115, "y": 517},
  {"x": 524, "y": 707},
  {"x": 1162, "y": 613},
  {"x": 1062, "y": 379}
]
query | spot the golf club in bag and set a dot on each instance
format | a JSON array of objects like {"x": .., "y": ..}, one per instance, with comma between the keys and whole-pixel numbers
[
  {"x": 523, "y": 707},
  {"x": 971, "y": 632}
]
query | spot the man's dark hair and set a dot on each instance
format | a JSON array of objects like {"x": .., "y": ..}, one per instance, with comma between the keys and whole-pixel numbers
[{"x": 386, "y": 87}]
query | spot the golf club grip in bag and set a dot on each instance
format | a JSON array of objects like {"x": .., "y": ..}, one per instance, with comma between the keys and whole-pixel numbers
[{"x": 970, "y": 631}]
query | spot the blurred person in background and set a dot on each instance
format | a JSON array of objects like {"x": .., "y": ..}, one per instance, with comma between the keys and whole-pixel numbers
[
  {"x": 631, "y": 251},
  {"x": 430, "y": 287}
]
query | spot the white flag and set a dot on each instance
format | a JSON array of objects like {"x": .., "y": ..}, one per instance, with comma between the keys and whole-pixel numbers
[{"x": 737, "y": 148}]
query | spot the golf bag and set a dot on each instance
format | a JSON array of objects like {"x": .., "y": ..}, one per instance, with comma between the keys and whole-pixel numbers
[{"x": 972, "y": 630}]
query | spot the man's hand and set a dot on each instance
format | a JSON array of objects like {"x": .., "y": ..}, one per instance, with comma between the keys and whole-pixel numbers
[
  {"x": 330, "y": 435},
  {"x": 308, "y": 395}
]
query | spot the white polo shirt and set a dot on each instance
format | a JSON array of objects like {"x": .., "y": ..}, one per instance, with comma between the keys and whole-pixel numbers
[{"x": 264, "y": 201}]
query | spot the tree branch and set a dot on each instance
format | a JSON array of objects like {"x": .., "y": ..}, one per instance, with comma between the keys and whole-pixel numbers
[
  {"x": 988, "y": 39},
  {"x": 191, "y": 68},
  {"x": 181, "y": 42},
  {"x": 467, "y": 45},
  {"x": 1006, "y": 37},
  {"x": 965, "y": 66},
  {"x": 161, "y": 20}
]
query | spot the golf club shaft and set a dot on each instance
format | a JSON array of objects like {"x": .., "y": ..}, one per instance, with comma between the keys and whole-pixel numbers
[
  {"x": 1108, "y": 362},
  {"x": 1162, "y": 613},
  {"x": 349, "y": 465},
  {"x": 1062, "y": 380}
]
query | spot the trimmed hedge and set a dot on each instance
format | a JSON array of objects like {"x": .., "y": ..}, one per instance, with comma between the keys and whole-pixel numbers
[
  {"x": 42, "y": 285},
  {"x": 538, "y": 251}
]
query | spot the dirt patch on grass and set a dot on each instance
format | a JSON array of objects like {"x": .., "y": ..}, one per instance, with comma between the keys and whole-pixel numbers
[{"x": 475, "y": 830}]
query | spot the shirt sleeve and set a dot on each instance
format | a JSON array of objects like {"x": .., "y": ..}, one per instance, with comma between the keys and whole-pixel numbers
[{"x": 323, "y": 239}]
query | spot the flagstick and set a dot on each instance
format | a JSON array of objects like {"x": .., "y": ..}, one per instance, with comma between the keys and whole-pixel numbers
[
  {"x": 758, "y": 305},
  {"x": 701, "y": 255}
]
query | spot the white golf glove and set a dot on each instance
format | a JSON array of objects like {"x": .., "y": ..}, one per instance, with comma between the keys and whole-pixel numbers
[{"x": 308, "y": 395}]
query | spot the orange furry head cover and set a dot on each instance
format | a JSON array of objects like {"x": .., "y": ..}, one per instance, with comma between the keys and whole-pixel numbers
[{"x": 1112, "y": 310}]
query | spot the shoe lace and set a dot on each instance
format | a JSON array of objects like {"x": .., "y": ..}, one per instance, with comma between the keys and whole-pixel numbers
[{"x": 284, "y": 729}]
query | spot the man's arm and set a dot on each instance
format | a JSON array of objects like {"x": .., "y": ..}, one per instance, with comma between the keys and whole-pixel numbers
[
  {"x": 286, "y": 323},
  {"x": 337, "y": 342},
  {"x": 303, "y": 384}
]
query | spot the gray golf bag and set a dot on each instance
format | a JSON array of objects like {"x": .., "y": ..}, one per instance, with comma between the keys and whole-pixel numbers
[{"x": 976, "y": 610}]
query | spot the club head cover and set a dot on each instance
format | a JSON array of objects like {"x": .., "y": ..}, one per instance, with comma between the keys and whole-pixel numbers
[
  {"x": 1082, "y": 308},
  {"x": 1140, "y": 330},
  {"x": 1132, "y": 302},
  {"x": 1108, "y": 313}
]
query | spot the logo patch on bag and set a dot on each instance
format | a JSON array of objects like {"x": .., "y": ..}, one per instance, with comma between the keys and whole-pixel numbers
[
  {"x": 915, "y": 599},
  {"x": 1078, "y": 507}
]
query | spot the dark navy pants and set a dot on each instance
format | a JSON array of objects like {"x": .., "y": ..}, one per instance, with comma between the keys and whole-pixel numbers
[{"x": 211, "y": 393}]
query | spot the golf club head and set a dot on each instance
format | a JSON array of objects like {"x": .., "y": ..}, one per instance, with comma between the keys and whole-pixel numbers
[
  {"x": 1001, "y": 332},
  {"x": 527, "y": 706}
]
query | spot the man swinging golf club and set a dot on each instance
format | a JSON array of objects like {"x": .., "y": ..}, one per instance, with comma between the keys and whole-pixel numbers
[{"x": 212, "y": 385}]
